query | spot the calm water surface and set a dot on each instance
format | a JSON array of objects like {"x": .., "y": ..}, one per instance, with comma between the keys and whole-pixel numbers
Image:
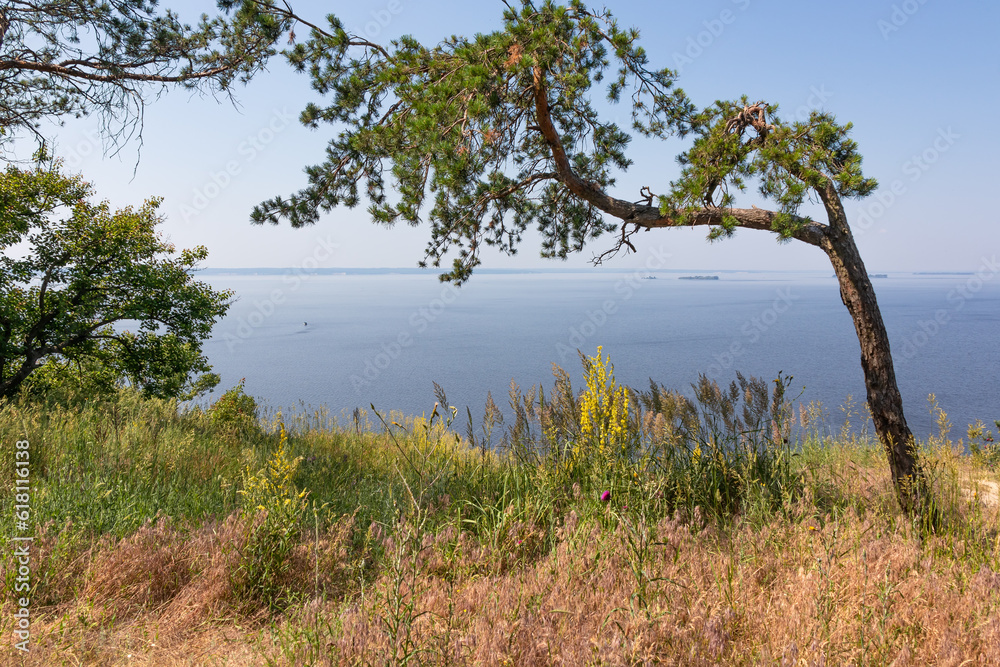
[{"x": 346, "y": 341}]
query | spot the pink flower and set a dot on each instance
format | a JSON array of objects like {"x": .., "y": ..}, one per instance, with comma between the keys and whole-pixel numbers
[{"x": 606, "y": 496}]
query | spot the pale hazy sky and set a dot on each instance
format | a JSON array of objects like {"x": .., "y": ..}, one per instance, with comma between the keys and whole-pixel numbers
[{"x": 918, "y": 78}]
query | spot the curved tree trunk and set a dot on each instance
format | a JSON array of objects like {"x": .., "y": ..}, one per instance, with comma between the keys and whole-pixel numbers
[{"x": 884, "y": 399}]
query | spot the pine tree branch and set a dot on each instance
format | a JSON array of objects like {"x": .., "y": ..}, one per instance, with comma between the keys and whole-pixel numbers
[
  {"x": 123, "y": 75},
  {"x": 645, "y": 215}
]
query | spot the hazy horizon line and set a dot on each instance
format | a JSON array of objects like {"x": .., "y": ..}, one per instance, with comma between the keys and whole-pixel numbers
[{"x": 604, "y": 269}]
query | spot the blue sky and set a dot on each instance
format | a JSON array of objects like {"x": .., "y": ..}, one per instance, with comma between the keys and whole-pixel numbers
[{"x": 917, "y": 79}]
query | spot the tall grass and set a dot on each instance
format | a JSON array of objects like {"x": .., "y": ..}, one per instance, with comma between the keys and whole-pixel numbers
[{"x": 606, "y": 525}]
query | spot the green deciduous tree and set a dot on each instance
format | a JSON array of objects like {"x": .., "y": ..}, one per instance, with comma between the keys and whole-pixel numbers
[
  {"x": 484, "y": 136},
  {"x": 86, "y": 288},
  {"x": 76, "y": 57}
]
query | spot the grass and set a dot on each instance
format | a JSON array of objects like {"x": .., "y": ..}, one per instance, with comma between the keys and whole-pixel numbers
[{"x": 733, "y": 533}]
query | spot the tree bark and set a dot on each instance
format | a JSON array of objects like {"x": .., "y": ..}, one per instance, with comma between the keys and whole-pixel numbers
[
  {"x": 884, "y": 399},
  {"x": 4, "y": 25}
]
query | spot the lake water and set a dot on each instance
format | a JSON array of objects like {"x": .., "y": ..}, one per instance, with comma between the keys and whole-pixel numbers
[{"x": 350, "y": 340}]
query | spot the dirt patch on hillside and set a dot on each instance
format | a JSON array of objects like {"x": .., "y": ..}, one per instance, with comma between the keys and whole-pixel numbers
[{"x": 984, "y": 491}]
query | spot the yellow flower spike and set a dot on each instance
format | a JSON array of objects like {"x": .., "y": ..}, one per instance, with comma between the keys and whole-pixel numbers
[{"x": 604, "y": 407}]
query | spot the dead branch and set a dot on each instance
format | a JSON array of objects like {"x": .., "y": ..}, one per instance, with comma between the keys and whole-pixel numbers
[
  {"x": 647, "y": 195},
  {"x": 751, "y": 116},
  {"x": 623, "y": 242}
]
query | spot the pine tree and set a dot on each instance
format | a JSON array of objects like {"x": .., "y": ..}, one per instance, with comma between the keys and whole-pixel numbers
[{"x": 487, "y": 135}]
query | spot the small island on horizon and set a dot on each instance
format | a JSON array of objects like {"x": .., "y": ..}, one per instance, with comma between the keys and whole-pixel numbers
[{"x": 698, "y": 278}]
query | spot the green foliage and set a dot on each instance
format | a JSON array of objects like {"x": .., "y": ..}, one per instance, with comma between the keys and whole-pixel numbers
[
  {"x": 726, "y": 452},
  {"x": 109, "y": 466},
  {"x": 459, "y": 123},
  {"x": 455, "y": 122},
  {"x": 67, "y": 379},
  {"x": 982, "y": 446},
  {"x": 235, "y": 409},
  {"x": 74, "y": 57},
  {"x": 85, "y": 272},
  {"x": 274, "y": 508},
  {"x": 787, "y": 162}
]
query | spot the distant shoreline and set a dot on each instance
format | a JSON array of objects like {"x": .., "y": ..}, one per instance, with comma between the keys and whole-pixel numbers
[{"x": 689, "y": 274}]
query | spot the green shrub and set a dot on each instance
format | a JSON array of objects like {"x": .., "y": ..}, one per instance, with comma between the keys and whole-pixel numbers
[
  {"x": 983, "y": 448},
  {"x": 236, "y": 409},
  {"x": 68, "y": 380},
  {"x": 274, "y": 508}
]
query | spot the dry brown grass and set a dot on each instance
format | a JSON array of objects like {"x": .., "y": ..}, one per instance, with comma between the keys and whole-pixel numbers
[
  {"x": 163, "y": 596},
  {"x": 147, "y": 594},
  {"x": 843, "y": 591},
  {"x": 815, "y": 586}
]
